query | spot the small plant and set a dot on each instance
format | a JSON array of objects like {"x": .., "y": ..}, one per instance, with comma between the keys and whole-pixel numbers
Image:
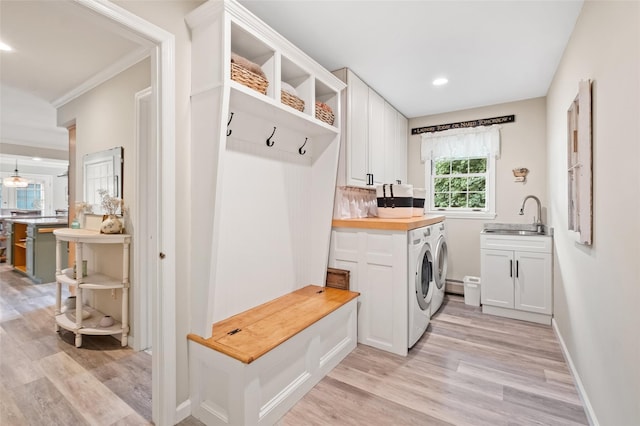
[
  {"x": 110, "y": 204},
  {"x": 83, "y": 207}
]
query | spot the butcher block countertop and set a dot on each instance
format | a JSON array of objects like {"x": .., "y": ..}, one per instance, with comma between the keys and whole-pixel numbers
[{"x": 388, "y": 224}]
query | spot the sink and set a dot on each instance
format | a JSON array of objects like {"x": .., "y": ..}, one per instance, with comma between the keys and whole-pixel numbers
[
  {"x": 520, "y": 229},
  {"x": 512, "y": 232}
]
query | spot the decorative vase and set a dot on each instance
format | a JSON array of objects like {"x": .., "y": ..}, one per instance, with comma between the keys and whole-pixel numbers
[{"x": 111, "y": 225}]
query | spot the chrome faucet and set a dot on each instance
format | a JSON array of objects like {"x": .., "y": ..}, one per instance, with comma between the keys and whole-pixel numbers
[{"x": 538, "y": 222}]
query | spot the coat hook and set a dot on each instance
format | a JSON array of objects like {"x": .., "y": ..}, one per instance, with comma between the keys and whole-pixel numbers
[
  {"x": 269, "y": 141},
  {"x": 300, "y": 149},
  {"x": 229, "y": 122}
]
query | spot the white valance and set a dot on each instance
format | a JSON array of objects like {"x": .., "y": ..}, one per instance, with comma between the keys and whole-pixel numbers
[{"x": 468, "y": 142}]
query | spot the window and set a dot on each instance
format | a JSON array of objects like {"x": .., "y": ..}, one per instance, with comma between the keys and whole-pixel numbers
[
  {"x": 460, "y": 171},
  {"x": 459, "y": 183},
  {"x": 30, "y": 198}
]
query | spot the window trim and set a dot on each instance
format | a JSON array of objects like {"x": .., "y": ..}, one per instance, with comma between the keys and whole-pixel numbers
[{"x": 489, "y": 213}]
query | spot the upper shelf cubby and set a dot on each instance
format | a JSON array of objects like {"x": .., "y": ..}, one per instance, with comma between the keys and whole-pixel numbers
[
  {"x": 297, "y": 84},
  {"x": 253, "y": 50},
  {"x": 222, "y": 28}
]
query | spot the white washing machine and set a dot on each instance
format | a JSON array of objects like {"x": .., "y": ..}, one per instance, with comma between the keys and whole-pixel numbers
[
  {"x": 420, "y": 281},
  {"x": 440, "y": 256}
]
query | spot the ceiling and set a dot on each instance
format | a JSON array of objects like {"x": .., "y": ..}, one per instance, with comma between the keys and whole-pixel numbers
[
  {"x": 57, "y": 45},
  {"x": 491, "y": 51}
]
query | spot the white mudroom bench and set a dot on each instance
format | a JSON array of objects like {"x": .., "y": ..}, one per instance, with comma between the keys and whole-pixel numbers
[{"x": 257, "y": 364}]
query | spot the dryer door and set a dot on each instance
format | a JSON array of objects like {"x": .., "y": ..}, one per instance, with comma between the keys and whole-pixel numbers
[
  {"x": 424, "y": 277},
  {"x": 441, "y": 262}
]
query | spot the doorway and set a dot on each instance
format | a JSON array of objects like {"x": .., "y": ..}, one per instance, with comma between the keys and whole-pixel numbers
[{"x": 155, "y": 169}]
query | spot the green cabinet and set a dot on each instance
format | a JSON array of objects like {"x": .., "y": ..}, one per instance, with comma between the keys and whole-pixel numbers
[{"x": 33, "y": 250}]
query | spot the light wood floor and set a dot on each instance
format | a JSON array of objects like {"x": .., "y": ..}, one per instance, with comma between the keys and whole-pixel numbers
[
  {"x": 46, "y": 380},
  {"x": 468, "y": 369}
]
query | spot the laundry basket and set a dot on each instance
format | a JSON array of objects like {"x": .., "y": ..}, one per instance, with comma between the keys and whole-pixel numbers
[{"x": 471, "y": 290}]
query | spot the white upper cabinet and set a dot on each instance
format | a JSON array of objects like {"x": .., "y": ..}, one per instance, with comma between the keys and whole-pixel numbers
[
  {"x": 357, "y": 131},
  {"x": 374, "y": 136},
  {"x": 400, "y": 148},
  {"x": 377, "y": 138}
]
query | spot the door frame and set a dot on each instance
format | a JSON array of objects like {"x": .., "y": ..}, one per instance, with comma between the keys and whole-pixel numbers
[
  {"x": 161, "y": 45},
  {"x": 143, "y": 248}
]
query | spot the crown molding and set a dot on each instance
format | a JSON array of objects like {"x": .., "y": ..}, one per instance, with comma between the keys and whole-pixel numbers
[{"x": 105, "y": 75}]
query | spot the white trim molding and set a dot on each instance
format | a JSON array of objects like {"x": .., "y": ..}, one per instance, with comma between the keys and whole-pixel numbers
[
  {"x": 106, "y": 74},
  {"x": 161, "y": 46},
  {"x": 582, "y": 393}
]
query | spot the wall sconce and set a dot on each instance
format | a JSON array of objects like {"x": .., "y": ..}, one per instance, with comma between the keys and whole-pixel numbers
[{"x": 520, "y": 174}]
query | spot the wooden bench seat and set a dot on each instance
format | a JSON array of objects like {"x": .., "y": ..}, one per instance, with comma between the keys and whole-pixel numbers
[
  {"x": 258, "y": 363},
  {"x": 251, "y": 334}
]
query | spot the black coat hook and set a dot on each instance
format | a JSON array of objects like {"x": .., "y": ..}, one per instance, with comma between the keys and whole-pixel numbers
[
  {"x": 229, "y": 122},
  {"x": 300, "y": 151},
  {"x": 269, "y": 141}
]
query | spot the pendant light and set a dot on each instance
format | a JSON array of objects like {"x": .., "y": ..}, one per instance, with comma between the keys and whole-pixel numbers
[{"x": 15, "y": 181}]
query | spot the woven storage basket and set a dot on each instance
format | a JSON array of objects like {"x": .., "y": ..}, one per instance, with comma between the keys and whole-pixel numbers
[
  {"x": 291, "y": 100},
  {"x": 324, "y": 115},
  {"x": 248, "y": 78}
]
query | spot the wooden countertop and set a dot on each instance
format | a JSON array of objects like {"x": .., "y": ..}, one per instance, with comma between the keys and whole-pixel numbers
[
  {"x": 388, "y": 224},
  {"x": 250, "y": 334}
]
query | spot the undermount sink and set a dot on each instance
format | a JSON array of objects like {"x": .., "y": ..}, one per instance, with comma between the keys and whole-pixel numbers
[{"x": 520, "y": 229}]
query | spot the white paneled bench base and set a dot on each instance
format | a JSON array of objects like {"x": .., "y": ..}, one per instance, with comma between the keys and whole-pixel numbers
[{"x": 257, "y": 364}]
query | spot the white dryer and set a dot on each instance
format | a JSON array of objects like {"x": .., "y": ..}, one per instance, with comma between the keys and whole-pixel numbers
[
  {"x": 420, "y": 281},
  {"x": 440, "y": 254}
]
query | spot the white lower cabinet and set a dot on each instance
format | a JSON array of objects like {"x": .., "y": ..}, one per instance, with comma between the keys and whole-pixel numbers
[
  {"x": 377, "y": 261},
  {"x": 517, "y": 277}
]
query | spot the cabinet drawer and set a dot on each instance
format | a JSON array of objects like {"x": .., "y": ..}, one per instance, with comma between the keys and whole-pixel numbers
[{"x": 516, "y": 243}]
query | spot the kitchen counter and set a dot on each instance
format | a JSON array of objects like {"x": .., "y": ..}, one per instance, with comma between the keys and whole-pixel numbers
[
  {"x": 388, "y": 224},
  {"x": 40, "y": 220}
]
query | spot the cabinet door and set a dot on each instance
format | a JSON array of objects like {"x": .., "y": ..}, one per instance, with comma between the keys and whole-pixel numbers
[
  {"x": 376, "y": 137},
  {"x": 401, "y": 139},
  {"x": 382, "y": 288},
  {"x": 496, "y": 288},
  {"x": 390, "y": 147},
  {"x": 357, "y": 130},
  {"x": 533, "y": 282}
]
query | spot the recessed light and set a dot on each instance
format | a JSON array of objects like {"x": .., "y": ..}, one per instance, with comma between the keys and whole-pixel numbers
[
  {"x": 36, "y": 159},
  {"x": 441, "y": 81},
  {"x": 5, "y": 47}
]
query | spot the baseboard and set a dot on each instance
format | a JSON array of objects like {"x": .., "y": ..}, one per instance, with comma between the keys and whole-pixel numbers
[
  {"x": 454, "y": 287},
  {"x": 582, "y": 393},
  {"x": 183, "y": 410}
]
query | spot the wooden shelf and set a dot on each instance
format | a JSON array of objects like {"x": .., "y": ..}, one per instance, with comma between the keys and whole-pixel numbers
[{"x": 21, "y": 245}]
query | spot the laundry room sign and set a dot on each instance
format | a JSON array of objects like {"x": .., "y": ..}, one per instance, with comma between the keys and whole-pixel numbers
[{"x": 464, "y": 124}]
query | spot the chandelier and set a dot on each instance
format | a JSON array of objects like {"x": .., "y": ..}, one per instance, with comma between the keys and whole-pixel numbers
[{"x": 15, "y": 180}]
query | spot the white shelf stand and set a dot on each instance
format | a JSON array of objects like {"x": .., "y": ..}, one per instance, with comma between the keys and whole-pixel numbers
[{"x": 72, "y": 320}]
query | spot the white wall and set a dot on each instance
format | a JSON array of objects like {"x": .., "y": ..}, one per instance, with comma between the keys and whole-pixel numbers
[
  {"x": 522, "y": 145},
  {"x": 597, "y": 288},
  {"x": 105, "y": 118}
]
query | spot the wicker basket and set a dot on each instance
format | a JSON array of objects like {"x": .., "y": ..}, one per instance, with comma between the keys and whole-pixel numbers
[
  {"x": 248, "y": 78},
  {"x": 323, "y": 114},
  {"x": 291, "y": 100}
]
